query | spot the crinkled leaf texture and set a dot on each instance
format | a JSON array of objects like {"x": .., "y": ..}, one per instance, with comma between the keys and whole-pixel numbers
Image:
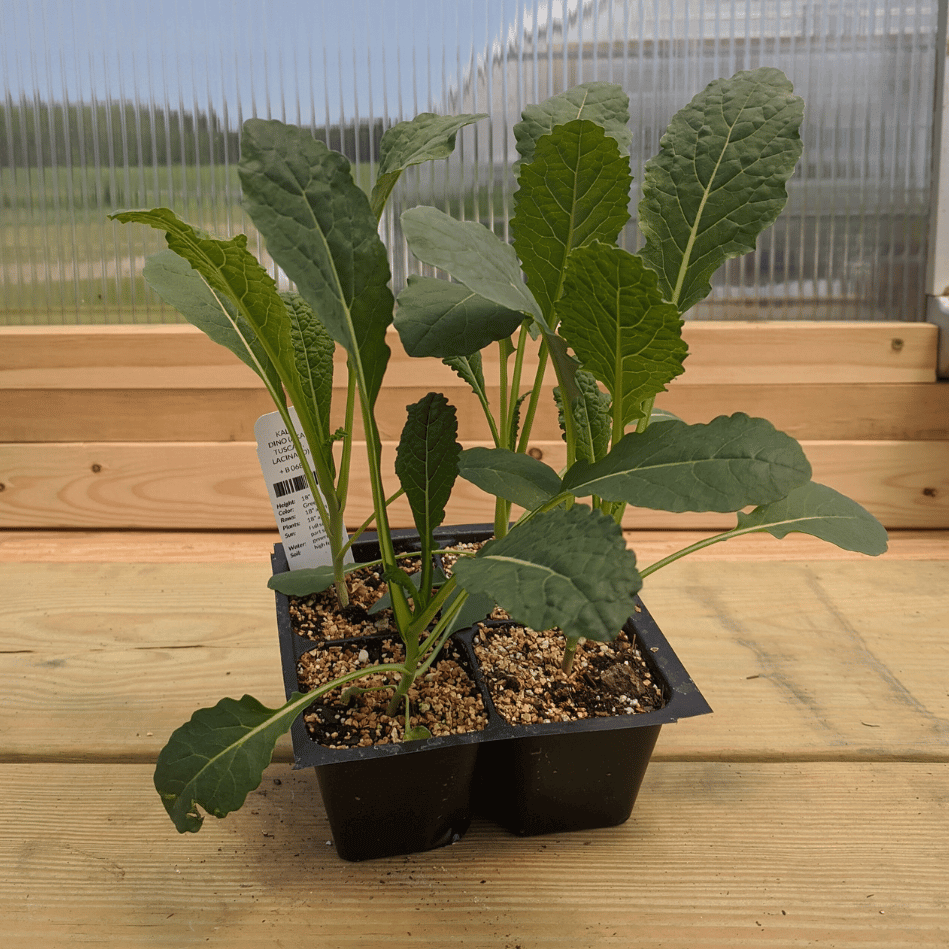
[
  {"x": 573, "y": 192},
  {"x": 823, "y": 512},
  {"x": 427, "y": 460},
  {"x": 218, "y": 757},
  {"x": 604, "y": 103},
  {"x": 426, "y": 137},
  {"x": 513, "y": 476},
  {"x": 320, "y": 230},
  {"x": 719, "y": 179},
  {"x": 313, "y": 350},
  {"x": 472, "y": 254},
  {"x": 233, "y": 274},
  {"x": 568, "y": 568},
  {"x": 613, "y": 316},
  {"x": 724, "y": 465},
  {"x": 438, "y": 318},
  {"x": 591, "y": 415},
  {"x": 469, "y": 369}
]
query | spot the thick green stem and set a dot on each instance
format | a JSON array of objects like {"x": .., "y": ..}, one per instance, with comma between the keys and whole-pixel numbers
[
  {"x": 532, "y": 402},
  {"x": 570, "y": 653},
  {"x": 345, "y": 461}
]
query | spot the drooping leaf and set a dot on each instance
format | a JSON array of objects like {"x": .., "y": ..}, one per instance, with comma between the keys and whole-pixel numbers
[
  {"x": 568, "y": 568},
  {"x": 313, "y": 350},
  {"x": 574, "y": 191},
  {"x": 424, "y": 138},
  {"x": 724, "y": 465},
  {"x": 469, "y": 369},
  {"x": 218, "y": 757},
  {"x": 231, "y": 273},
  {"x": 181, "y": 286},
  {"x": 472, "y": 254},
  {"x": 308, "y": 580},
  {"x": 321, "y": 231},
  {"x": 438, "y": 318},
  {"x": 510, "y": 475},
  {"x": 719, "y": 179},
  {"x": 613, "y": 316},
  {"x": 427, "y": 460},
  {"x": 604, "y": 103},
  {"x": 477, "y": 606},
  {"x": 823, "y": 512},
  {"x": 591, "y": 413}
]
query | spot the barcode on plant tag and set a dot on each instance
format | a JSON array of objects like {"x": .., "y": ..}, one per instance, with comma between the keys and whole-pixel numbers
[
  {"x": 296, "y": 511},
  {"x": 283, "y": 488}
]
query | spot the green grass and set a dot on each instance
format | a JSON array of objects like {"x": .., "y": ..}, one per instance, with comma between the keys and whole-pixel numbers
[{"x": 63, "y": 261}]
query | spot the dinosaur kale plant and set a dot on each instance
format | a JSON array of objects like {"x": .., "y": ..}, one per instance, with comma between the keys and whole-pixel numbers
[{"x": 565, "y": 294}]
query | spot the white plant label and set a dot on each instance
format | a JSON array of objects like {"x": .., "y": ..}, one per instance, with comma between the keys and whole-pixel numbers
[{"x": 302, "y": 531}]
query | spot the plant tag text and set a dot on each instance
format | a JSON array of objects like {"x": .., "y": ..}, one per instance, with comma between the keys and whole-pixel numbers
[{"x": 302, "y": 531}]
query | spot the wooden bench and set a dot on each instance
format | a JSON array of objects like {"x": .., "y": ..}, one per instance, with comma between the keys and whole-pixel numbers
[{"x": 810, "y": 809}]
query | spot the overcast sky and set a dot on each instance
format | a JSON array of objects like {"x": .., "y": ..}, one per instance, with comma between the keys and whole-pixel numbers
[{"x": 285, "y": 58}]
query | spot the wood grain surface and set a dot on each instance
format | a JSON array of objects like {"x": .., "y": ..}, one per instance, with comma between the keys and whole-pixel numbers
[
  {"x": 717, "y": 855},
  {"x": 809, "y": 809},
  {"x": 819, "y": 660},
  {"x": 720, "y": 352},
  {"x": 213, "y": 486}
]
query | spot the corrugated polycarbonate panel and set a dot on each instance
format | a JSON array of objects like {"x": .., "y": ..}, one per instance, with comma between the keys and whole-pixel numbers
[{"x": 110, "y": 104}]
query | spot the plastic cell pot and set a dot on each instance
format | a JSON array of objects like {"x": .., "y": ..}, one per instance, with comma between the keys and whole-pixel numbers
[
  {"x": 530, "y": 779},
  {"x": 584, "y": 774},
  {"x": 388, "y": 799}
]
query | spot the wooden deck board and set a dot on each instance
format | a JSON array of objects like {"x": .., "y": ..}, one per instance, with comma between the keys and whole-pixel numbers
[
  {"x": 210, "y": 486},
  {"x": 102, "y": 661},
  {"x": 109, "y": 546},
  {"x": 810, "y": 809},
  {"x": 716, "y": 856}
]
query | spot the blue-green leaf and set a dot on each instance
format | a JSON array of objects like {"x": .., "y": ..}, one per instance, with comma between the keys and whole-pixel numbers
[
  {"x": 574, "y": 191},
  {"x": 591, "y": 414},
  {"x": 424, "y": 138},
  {"x": 725, "y": 465},
  {"x": 613, "y": 316},
  {"x": 568, "y": 568},
  {"x": 321, "y": 231},
  {"x": 313, "y": 350},
  {"x": 604, "y": 103},
  {"x": 472, "y": 254},
  {"x": 438, "y": 318},
  {"x": 308, "y": 580},
  {"x": 218, "y": 757},
  {"x": 181, "y": 286},
  {"x": 510, "y": 475},
  {"x": 427, "y": 460},
  {"x": 719, "y": 180},
  {"x": 823, "y": 512}
]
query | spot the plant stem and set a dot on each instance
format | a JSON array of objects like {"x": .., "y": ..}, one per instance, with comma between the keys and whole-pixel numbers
[
  {"x": 698, "y": 545},
  {"x": 532, "y": 402},
  {"x": 364, "y": 526},
  {"x": 570, "y": 653},
  {"x": 345, "y": 461}
]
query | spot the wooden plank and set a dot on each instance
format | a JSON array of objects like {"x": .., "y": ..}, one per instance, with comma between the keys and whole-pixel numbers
[
  {"x": 720, "y": 352},
  {"x": 716, "y": 856},
  {"x": 807, "y": 660},
  {"x": 198, "y": 486},
  {"x": 104, "y": 546},
  {"x": 858, "y": 411}
]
